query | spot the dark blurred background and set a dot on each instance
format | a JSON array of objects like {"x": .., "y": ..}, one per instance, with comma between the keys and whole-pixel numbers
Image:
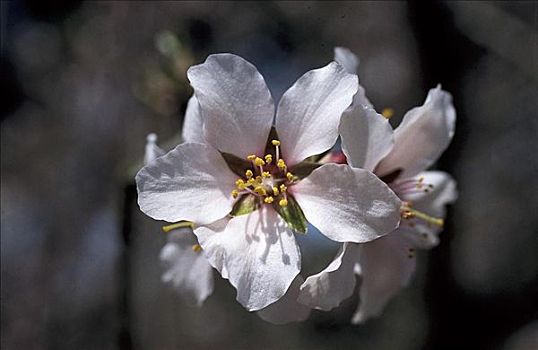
[{"x": 84, "y": 82}]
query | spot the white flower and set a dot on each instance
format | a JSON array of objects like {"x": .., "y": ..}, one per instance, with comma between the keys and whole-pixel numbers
[
  {"x": 247, "y": 191},
  {"x": 186, "y": 268},
  {"x": 399, "y": 158}
]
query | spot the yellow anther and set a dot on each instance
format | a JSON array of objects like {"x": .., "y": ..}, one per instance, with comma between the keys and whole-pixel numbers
[
  {"x": 251, "y": 182},
  {"x": 268, "y": 200},
  {"x": 275, "y": 191},
  {"x": 248, "y": 174},
  {"x": 251, "y": 157},
  {"x": 260, "y": 190},
  {"x": 275, "y": 142},
  {"x": 266, "y": 174},
  {"x": 283, "y": 188},
  {"x": 196, "y": 248},
  {"x": 289, "y": 176},
  {"x": 258, "y": 179},
  {"x": 387, "y": 112},
  {"x": 281, "y": 164},
  {"x": 283, "y": 202},
  {"x": 258, "y": 161},
  {"x": 235, "y": 193},
  {"x": 268, "y": 158},
  {"x": 240, "y": 184}
]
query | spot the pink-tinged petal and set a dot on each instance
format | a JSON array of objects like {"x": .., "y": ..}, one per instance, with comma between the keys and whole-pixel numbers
[
  {"x": 152, "y": 151},
  {"x": 257, "y": 252},
  {"x": 193, "y": 126},
  {"x": 386, "y": 266},
  {"x": 192, "y": 182},
  {"x": 367, "y": 137},
  {"x": 347, "y": 204},
  {"x": 423, "y": 135},
  {"x": 186, "y": 269},
  {"x": 236, "y": 105},
  {"x": 286, "y": 309},
  {"x": 432, "y": 202},
  {"x": 327, "y": 289},
  {"x": 309, "y": 112}
]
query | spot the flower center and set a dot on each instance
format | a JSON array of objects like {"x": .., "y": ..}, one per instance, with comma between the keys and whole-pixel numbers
[{"x": 268, "y": 179}]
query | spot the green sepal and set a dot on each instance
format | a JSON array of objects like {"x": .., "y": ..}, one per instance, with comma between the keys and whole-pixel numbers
[
  {"x": 304, "y": 169},
  {"x": 293, "y": 215},
  {"x": 245, "y": 204},
  {"x": 236, "y": 164}
]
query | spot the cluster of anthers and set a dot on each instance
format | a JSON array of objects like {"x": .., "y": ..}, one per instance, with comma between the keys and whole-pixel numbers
[
  {"x": 268, "y": 180},
  {"x": 413, "y": 186}
]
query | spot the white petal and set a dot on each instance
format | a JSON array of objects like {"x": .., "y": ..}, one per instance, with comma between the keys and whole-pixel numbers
[
  {"x": 346, "y": 59},
  {"x": 236, "y": 105},
  {"x": 309, "y": 112},
  {"x": 432, "y": 203},
  {"x": 366, "y": 137},
  {"x": 192, "y": 182},
  {"x": 360, "y": 98},
  {"x": 192, "y": 123},
  {"x": 152, "y": 151},
  {"x": 425, "y": 132},
  {"x": 327, "y": 289},
  {"x": 347, "y": 204},
  {"x": 286, "y": 309},
  {"x": 257, "y": 252},
  {"x": 186, "y": 270},
  {"x": 350, "y": 62},
  {"x": 386, "y": 267}
]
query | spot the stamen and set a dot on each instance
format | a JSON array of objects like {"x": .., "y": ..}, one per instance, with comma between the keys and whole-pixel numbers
[
  {"x": 266, "y": 174},
  {"x": 196, "y": 248},
  {"x": 248, "y": 174},
  {"x": 387, "y": 112},
  {"x": 276, "y": 143},
  {"x": 240, "y": 183},
  {"x": 251, "y": 157},
  {"x": 260, "y": 190},
  {"x": 283, "y": 188},
  {"x": 177, "y": 225},
  {"x": 268, "y": 158},
  {"x": 268, "y": 200},
  {"x": 275, "y": 191},
  {"x": 281, "y": 164},
  {"x": 259, "y": 162},
  {"x": 235, "y": 193},
  {"x": 409, "y": 213},
  {"x": 289, "y": 176},
  {"x": 283, "y": 202}
]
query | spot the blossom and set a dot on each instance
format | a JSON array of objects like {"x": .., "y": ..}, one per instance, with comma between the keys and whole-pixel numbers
[
  {"x": 248, "y": 189},
  {"x": 399, "y": 158},
  {"x": 185, "y": 267}
]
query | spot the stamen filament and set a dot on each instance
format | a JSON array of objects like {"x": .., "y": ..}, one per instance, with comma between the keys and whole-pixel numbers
[
  {"x": 409, "y": 213},
  {"x": 177, "y": 225}
]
